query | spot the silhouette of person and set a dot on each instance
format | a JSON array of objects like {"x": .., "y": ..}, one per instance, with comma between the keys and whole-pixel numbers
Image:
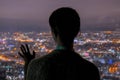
[{"x": 63, "y": 63}]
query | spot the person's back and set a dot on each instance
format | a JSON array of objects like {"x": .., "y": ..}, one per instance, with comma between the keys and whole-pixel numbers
[{"x": 63, "y": 63}]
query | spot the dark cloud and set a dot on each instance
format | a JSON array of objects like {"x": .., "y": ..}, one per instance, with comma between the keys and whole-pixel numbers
[{"x": 36, "y": 12}]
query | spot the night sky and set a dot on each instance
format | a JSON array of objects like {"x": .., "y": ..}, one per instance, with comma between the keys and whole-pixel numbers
[{"x": 33, "y": 15}]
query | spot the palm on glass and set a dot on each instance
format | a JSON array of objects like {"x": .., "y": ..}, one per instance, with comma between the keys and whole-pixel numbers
[{"x": 26, "y": 54}]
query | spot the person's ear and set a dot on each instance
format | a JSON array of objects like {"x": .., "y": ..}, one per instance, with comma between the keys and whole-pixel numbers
[{"x": 54, "y": 35}]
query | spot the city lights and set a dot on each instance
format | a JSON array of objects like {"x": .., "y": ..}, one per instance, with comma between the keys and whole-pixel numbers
[{"x": 101, "y": 48}]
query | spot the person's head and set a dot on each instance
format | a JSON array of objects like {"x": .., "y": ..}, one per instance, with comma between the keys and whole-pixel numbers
[{"x": 65, "y": 25}]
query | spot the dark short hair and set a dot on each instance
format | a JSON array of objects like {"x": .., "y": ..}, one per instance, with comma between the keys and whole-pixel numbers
[{"x": 65, "y": 22}]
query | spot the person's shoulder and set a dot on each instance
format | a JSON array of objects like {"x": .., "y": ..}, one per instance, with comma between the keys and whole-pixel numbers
[
  {"x": 42, "y": 60},
  {"x": 91, "y": 64},
  {"x": 38, "y": 66},
  {"x": 88, "y": 64},
  {"x": 91, "y": 68}
]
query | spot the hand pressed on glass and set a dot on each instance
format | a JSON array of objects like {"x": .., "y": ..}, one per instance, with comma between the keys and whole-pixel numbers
[{"x": 26, "y": 54}]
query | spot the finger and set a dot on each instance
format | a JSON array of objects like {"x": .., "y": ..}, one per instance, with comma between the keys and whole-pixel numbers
[
  {"x": 21, "y": 54},
  {"x": 27, "y": 48},
  {"x": 22, "y": 49},
  {"x": 34, "y": 53}
]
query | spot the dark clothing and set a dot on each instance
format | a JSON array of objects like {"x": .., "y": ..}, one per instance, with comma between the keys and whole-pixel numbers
[{"x": 62, "y": 65}]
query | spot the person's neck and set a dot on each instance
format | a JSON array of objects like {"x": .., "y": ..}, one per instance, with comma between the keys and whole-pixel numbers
[
  {"x": 68, "y": 45},
  {"x": 63, "y": 47}
]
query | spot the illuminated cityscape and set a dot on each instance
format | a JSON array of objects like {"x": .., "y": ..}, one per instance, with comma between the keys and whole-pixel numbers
[
  {"x": 27, "y": 22},
  {"x": 101, "y": 48}
]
